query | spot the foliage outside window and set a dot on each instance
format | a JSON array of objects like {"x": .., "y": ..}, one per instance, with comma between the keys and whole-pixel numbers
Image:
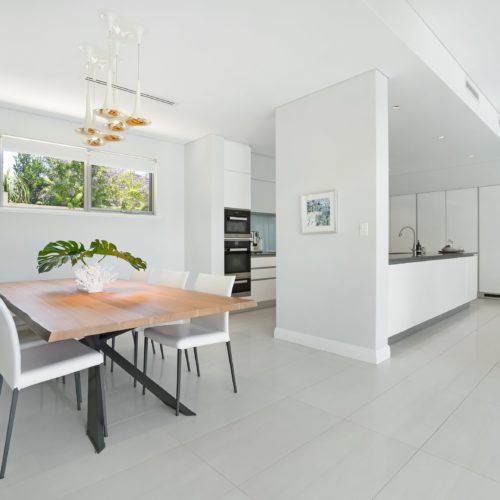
[
  {"x": 120, "y": 189},
  {"x": 45, "y": 181}
]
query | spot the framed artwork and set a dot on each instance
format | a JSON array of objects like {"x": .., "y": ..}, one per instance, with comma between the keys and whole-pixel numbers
[{"x": 319, "y": 212}]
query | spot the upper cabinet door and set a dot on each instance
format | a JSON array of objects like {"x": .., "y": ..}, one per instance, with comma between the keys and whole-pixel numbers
[
  {"x": 403, "y": 212},
  {"x": 237, "y": 157},
  {"x": 431, "y": 220},
  {"x": 462, "y": 218},
  {"x": 237, "y": 190},
  {"x": 489, "y": 239}
]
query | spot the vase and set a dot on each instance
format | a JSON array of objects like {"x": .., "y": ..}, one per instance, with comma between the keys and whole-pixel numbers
[{"x": 93, "y": 278}]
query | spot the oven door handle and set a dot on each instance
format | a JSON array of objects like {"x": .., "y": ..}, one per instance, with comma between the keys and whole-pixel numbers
[
  {"x": 238, "y": 250},
  {"x": 240, "y": 282},
  {"x": 237, "y": 218}
]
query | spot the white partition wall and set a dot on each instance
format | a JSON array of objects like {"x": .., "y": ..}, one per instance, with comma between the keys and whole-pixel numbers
[
  {"x": 489, "y": 239},
  {"x": 431, "y": 220},
  {"x": 403, "y": 212},
  {"x": 332, "y": 288},
  {"x": 462, "y": 218}
]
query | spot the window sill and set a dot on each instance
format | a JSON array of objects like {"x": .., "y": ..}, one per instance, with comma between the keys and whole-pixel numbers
[{"x": 77, "y": 213}]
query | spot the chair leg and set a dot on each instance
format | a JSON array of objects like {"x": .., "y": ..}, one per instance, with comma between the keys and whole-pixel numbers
[
  {"x": 187, "y": 359},
  {"x": 136, "y": 340},
  {"x": 10, "y": 426},
  {"x": 103, "y": 395},
  {"x": 145, "y": 365},
  {"x": 78, "y": 386},
  {"x": 162, "y": 353},
  {"x": 113, "y": 343},
  {"x": 153, "y": 346},
  {"x": 228, "y": 345},
  {"x": 64, "y": 380},
  {"x": 1, "y": 383},
  {"x": 178, "y": 392},
  {"x": 196, "y": 359}
]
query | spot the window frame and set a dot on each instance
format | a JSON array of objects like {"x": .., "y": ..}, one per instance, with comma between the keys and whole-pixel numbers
[{"x": 87, "y": 182}]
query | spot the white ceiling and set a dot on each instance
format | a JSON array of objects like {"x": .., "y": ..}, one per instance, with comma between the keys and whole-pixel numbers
[
  {"x": 469, "y": 30},
  {"x": 229, "y": 63}
]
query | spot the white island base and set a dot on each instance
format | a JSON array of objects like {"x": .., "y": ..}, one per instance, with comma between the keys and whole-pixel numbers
[{"x": 423, "y": 290}]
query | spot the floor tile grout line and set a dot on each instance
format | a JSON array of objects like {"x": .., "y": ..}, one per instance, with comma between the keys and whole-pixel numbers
[
  {"x": 291, "y": 451},
  {"x": 420, "y": 448}
]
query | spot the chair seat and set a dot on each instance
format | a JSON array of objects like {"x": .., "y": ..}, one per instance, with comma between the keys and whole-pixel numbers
[
  {"x": 28, "y": 339},
  {"x": 185, "y": 335},
  {"x": 53, "y": 360}
]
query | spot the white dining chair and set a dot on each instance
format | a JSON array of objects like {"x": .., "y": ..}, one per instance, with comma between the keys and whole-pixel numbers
[
  {"x": 28, "y": 338},
  {"x": 139, "y": 276},
  {"x": 173, "y": 279},
  {"x": 202, "y": 331},
  {"x": 22, "y": 368}
]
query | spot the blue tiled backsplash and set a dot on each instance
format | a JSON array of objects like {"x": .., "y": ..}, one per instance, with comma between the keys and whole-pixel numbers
[{"x": 266, "y": 225}]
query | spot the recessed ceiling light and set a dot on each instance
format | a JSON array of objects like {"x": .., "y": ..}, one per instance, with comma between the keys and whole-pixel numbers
[
  {"x": 396, "y": 106},
  {"x": 472, "y": 156},
  {"x": 441, "y": 137}
]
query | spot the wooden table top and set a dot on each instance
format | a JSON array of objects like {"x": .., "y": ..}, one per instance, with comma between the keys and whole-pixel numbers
[{"x": 59, "y": 311}]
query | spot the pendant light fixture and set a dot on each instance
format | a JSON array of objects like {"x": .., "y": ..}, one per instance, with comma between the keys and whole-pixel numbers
[
  {"x": 118, "y": 31},
  {"x": 89, "y": 129},
  {"x": 136, "y": 120}
]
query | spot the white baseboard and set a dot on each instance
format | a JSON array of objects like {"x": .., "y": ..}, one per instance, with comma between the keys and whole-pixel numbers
[{"x": 374, "y": 356}]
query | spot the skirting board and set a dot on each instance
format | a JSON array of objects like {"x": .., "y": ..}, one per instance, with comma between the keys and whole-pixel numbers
[{"x": 374, "y": 356}]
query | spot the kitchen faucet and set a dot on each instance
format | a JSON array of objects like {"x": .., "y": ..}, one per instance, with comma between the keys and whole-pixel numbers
[{"x": 414, "y": 248}]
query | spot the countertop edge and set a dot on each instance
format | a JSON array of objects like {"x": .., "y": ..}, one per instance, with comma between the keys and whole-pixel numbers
[{"x": 427, "y": 258}]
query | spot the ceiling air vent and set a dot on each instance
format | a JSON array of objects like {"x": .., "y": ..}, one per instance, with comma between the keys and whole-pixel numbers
[
  {"x": 131, "y": 91},
  {"x": 472, "y": 89}
]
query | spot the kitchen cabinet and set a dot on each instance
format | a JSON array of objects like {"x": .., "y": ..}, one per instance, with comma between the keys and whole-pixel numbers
[
  {"x": 403, "y": 212},
  {"x": 263, "y": 196},
  {"x": 263, "y": 275},
  {"x": 237, "y": 190},
  {"x": 431, "y": 220},
  {"x": 462, "y": 218},
  {"x": 237, "y": 181},
  {"x": 489, "y": 239}
]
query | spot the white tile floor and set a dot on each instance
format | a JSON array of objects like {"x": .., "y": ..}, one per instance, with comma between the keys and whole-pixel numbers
[{"x": 304, "y": 425}]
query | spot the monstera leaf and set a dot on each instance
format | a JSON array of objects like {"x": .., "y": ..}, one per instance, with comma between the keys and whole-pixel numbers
[
  {"x": 57, "y": 253},
  {"x": 105, "y": 248}
]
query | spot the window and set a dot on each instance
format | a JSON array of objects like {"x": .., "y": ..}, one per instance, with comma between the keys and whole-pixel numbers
[{"x": 40, "y": 174}]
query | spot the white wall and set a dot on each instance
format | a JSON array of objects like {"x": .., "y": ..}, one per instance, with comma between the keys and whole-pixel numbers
[
  {"x": 332, "y": 288},
  {"x": 159, "y": 239},
  {"x": 204, "y": 205},
  {"x": 459, "y": 177},
  {"x": 263, "y": 184}
]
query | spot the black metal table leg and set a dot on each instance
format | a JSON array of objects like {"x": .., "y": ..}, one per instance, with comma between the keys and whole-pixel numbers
[
  {"x": 95, "y": 411},
  {"x": 143, "y": 379}
]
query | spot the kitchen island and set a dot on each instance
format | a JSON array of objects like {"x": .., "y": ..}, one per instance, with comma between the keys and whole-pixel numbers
[{"x": 424, "y": 289}]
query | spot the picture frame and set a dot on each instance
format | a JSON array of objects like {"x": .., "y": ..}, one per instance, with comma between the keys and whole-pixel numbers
[{"x": 319, "y": 212}]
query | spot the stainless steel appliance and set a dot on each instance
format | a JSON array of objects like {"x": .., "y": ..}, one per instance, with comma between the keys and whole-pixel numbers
[
  {"x": 236, "y": 223},
  {"x": 257, "y": 242},
  {"x": 237, "y": 263}
]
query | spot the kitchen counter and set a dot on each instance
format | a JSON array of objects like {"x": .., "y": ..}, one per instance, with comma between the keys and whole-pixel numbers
[
  {"x": 404, "y": 258},
  {"x": 263, "y": 254},
  {"x": 427, "y": 288}
]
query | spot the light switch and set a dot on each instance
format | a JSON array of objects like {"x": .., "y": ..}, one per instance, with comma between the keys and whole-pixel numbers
[{"x": 363, "y": 229}]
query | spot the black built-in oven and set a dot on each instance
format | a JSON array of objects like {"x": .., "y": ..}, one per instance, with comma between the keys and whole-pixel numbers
[
  {"x": 237, "y": 263},
  {"x": 236, "y": 223}
]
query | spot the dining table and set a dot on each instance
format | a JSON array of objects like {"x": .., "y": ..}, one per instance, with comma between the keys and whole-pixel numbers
[{"x": 57, "y": 310}]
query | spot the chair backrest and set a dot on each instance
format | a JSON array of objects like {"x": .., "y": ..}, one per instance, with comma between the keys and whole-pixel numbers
[
  {"x": 140, "y": 276},
  {"x": 175, "y": 279},
  {"x": 218, "y": 285},
  {"x": 10, "y": 351}
]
